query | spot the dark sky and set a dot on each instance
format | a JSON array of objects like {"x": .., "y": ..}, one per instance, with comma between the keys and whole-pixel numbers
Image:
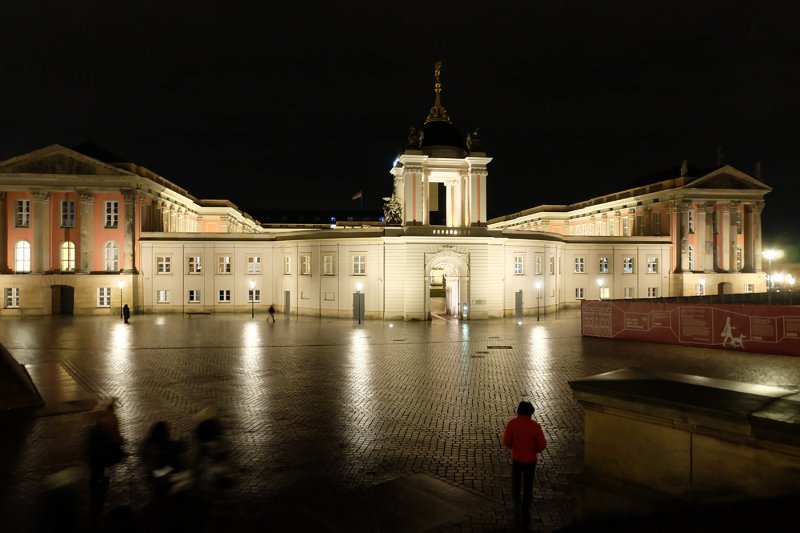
[{"x": 303, "y": 103}]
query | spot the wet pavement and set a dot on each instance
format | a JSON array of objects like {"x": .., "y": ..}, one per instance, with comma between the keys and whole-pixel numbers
[{"x": 335, "y": 426}]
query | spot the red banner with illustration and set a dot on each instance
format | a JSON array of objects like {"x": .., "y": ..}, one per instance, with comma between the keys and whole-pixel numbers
[{"x": 749, "y": 328}]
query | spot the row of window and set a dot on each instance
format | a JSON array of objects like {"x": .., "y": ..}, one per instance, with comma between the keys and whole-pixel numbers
[
  {"x": 608, "y": 227},
  {"x": 23, "y": 214},
  {"x": 519, "y": 262},
  {"x": 605, "y": 292},
  {"x": 194, "y": 296},
  {"x": 66, "y": 256},
  {"x": 737, "y": 221},
  {"x": 194, "y": 264},
  {"x": 628, "y": 265}
]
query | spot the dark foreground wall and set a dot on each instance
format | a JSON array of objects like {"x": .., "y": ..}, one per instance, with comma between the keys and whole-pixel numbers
[{"x": 745, "y": 327}]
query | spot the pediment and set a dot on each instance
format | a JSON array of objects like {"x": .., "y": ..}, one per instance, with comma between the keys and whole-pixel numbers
[
  {"x": 728, "y": 178},
  {"x": 58, "y": 160}
]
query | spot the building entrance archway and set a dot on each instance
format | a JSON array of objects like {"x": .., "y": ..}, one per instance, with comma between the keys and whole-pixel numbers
[{"x": 446, "y": 285}]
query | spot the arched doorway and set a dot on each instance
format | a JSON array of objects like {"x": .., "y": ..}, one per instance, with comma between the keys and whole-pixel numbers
[{"x": 446, "y": 284}]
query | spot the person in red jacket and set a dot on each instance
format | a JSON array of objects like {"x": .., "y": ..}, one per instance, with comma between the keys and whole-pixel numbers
[{"x": 524, "y": 437}]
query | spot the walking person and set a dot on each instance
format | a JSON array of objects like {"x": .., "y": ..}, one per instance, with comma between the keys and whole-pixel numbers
[
  {"x": 126, "y": 313},
  {"x": 525, "y": 438},
  {"x": 271, "y": 312},
  {"x": 104, "y": 449}
]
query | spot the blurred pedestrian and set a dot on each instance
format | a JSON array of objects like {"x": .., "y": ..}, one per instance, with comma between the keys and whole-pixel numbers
[
  {"x": 525, "y": 438},
  {"x": 271, "y": 312},
  {"x": 214, "y": 476},
  {"x": 104, "y": 449},
  {"x": 126, "y": 313},
  {"x": 162, "y": 458}
]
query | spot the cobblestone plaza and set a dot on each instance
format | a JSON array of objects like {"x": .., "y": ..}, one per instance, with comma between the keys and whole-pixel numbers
[{"x": 323, "y": 413}]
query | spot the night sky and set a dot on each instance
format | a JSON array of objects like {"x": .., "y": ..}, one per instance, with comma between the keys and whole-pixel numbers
[{"x": 301, "y": 104}]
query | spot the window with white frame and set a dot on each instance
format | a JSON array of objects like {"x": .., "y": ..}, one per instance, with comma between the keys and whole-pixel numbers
[
  {"x": 699, "y": 289},
  {"x": 690, "y": 220},
  {"x": 738, "y": 257},
  {"x": 224, "y": 264},
  {"x": 627, "y": 265},
  {"x": 254, "y": 296},
  {"x": 111, "y": 256},
  {"x": 749, "y": 287},
  {"x": 656, "y": 229},
  {"x": 691, "y": 257},
  {"x": 194, "y": 296},
  {"x": 552, "y": 266},
  {"x": 580, "y": 293},
  {"x": 67, "y": 213},
  {"x": 104, "y": 297},
  {"x": 626, "y": 227},
  {"x": 162, "y": 296},
  {"x": 572, "y": 230},
  {"x": 254, "y": 264},
  {"x": 195, "y": 264},
  {"x": 538, "y": 265},
  {"x": 224, "y": 296},
  {"x": 67, "y": 257},
  {"x": 628, "y": 292},
  {"x": 359, "y": 265},
  {"x": 305, "y": 265},
  {"x": 603, "y": 265},
  {"x": 287, "y": 265},
  {"x": 328, "y": 265},
  {"x": 580, "y": 265},
  {"x": 652, "y": 292},
  {"x": 112, "y": 214},
  {"x": 638, "y": 227},
  {"x": 605, "y": 293},
  {"x": 652, "y": 265},
  {"x": 163, "y": 264},
  {"x": 612, "y": 228},
  {"x": 23, "y": 218},
  {"x": 22, "y": 257},
  {"x": 12, "y": 297},
  {"x": 738, "y": 215},
  {"x": 518, "y": 261}
]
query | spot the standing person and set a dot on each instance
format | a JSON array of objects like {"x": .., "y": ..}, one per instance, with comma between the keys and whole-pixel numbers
[
  {"x": 524, "y": 437},
  {"x": 104, "y": 449},
  {"x": 126, "y": 313},
  {"x": 271, "y": 312}
]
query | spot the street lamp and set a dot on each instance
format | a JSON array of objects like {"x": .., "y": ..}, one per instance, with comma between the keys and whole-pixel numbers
[
  {"x": 769, "y": 255},
  {"x": 120, "y": 284},
  {"x": 600, "y": 282},
  {"x": 538, "y": 286},
  {"x": 358, "y": 301},
  {"x": 252, "y": 299}
]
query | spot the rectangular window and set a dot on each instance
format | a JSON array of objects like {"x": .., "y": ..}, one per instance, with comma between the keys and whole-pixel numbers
[
  {"x": 12, "y": 297},
  {"x": 749, "y": 287},
  {"x": 254, "y": 296},
  {"x": 287, "y": 265},
  {"x": 195, "y": 265},
  {"x": 604, "y": 265},
  {"x": 67, "y": 213},
  {"x": 538, "y": 265},
  {"x": 305, "y": 265},
  {"x": 224, "y": 264},
  {"x": 652, "y": 265},
  {"x": 629, "y": 293},
  {"x": 690, "y": 220},
  {"x": 518, "y": 264},
  {"x": 580, "y": 266},
  {"x": 359, "y": 265},
  {"x": 626, "y": 227},
  {"x": 579, "y": 293},
  {"x": 656, "y": 223},
  {"x": 162, "y": 296},
  {"x": 224, "y": 296},
  {"x": 329, "y": 265},
  {"x": 163, "y": 264},
  {"x": 639, "y": 226},
  {"x": 627, "y": 265},
  {"x": 112, "y": 214},
  {"x": 739, "y": 221},
  {"x": 605, "y": 293},
  {"x": 572, "y": 230},
  {"x": 104, "y": 297},
  {"x": 23, "y": 219},
  {"x": 612, "y": 228},
  {"x": 254, "y": 264},
  {"x": 652, "y": 292},
  {"x": 194, "y": 296},
  {"x": 552, "y": 266},
  {"x": 699, "y": 289}
]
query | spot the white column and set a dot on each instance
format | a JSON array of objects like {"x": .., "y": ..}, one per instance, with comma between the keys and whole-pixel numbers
[
  {"x": 734, "y": 237},
  {"x": 426, "y": 197}
]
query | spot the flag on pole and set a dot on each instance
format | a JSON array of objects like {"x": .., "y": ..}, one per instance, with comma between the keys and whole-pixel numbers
[{"x": 357, "y": 195}]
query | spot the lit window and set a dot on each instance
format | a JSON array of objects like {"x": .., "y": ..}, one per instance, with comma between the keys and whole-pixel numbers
[
  {"x": 749, "y": 287},
  {"x": 580, "y": 266},
  {"x": 23, "y": 219},
  {"x": 626, "y": 227},
  {"x": 329, "y": 265},
  {"x": 111, "y": 256},
  {"x": 359, "y": 265},
  {"x": 552, "y": 266},
  {"x": 652, "y": 292},
  {"x": 254, "y": 264},
  {"x": 162, "y": 296},
  {"x": 67, "y": 213},
  {"x": 518, "y": 264},
  {"x": 67, "y": 257},
  {"x": 538, "y": 265},
  {"x": 628, "y": 292},
  {"x": 195, "y": 265},
  {"x": 254, "y": 295},
  {"x": 612, "y": 228},
  {"x": 112, "y": 214},
  {"x": 104, "y": 297},
  {"x": 163, "y": 264},
  {"x": 287, "y": 265},
  {"x": 652, "y": 265},
  {"x": 22, "y": 257},
  {"x": 12, "y": 297},
  {"x": 604, "y": 265},
  {"x": 699, "y": 289},
  {"x": 579, "y": 293},
  {"x": 691, "y": 257},
  {"x": 194, "y": 296},
  {"x": 305, "y": 265},
  {"x": 738, "y": 257},
  {"x": 224, "y": 296},
  {"x": 690, "y": 219},
  {"x": 605, "y": 293},
  {"x": 224, "y": 264},
  {"x": 627, "y": 265},
  {"x": 738, "y": 221}
]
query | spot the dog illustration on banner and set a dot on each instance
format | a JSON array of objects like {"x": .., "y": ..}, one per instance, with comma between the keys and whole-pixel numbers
[{"x": 729, "y": 340}]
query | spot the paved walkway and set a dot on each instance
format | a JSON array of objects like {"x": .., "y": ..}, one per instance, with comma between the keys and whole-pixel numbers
[{"x": 396, "y": 423}]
